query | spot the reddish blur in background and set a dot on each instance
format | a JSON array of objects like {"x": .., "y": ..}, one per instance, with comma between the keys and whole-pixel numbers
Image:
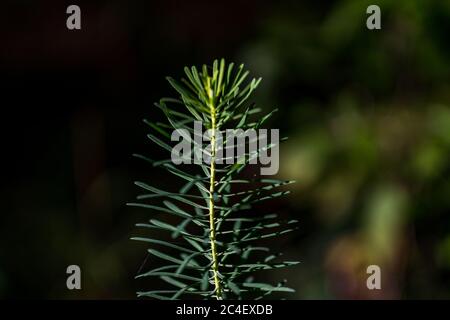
[{"x": 367, "y": 113}]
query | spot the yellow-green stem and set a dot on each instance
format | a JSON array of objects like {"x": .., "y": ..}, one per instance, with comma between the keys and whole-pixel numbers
[{"x": 215, "y": 263}]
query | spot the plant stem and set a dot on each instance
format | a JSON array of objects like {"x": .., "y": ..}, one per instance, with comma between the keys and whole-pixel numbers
[{"x": 215, "y": 265}]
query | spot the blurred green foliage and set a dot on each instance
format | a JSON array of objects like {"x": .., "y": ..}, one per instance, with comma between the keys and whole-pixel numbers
[{"x": 368, "y": 115}]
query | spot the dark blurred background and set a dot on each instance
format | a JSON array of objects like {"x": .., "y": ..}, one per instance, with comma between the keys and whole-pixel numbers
[{"x": 367, "y": 113}]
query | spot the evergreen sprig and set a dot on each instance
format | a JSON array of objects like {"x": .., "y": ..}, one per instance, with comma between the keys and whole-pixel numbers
[{"x": 210, "y": 218}]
